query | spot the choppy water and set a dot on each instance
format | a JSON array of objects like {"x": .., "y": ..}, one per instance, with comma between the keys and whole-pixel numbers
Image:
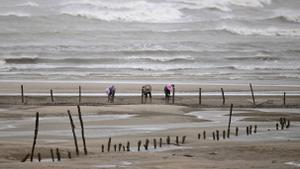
[{"x": 166, "y": 40}]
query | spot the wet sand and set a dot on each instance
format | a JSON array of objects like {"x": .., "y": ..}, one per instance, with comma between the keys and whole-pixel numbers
[{"x": 130, "y": 121}]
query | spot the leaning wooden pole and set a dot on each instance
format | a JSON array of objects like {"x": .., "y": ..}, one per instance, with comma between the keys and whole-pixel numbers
[
  {"x": 200, "y": 95},
  {"x": 73, "y": 131},
  {"x": 51, "y": 95},
  {"x": 223, "y": 96},
  {"x": 22, "y": 93},
  {"x": 252, "y": 93},
  {"x": 36, "y": 130},
  {"x": 284, "y": 99},
  {"x": 229, "y": 122},
  {"x": 82, "y": 130},
  {"x": 173, "y": 95},
  {"x": 79, "y": 94}
]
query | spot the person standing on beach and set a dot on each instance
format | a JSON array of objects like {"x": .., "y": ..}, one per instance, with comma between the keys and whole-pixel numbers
[
  {"x": 146, "y": 90},
  {"x": 168, "y": 89},
  {"x": 110, "y": 91}
]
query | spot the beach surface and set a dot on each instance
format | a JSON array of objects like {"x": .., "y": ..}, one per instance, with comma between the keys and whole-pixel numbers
[{"x": 127, "y": 120}]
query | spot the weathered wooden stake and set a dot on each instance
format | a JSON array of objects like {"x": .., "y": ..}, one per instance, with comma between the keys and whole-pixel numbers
[
  {"x": 154, "y": 143},
  {"x": 51, "y": 95},
  {"x": 168, "y": 140},
  {"x": 217, "y": 134},
  {"x": 120, "y": 146},
  {"x": 252, "y": 93},
  {"x": 79, "y": 94},
  {"x": 22, "y": 93},
  {"x": 124, "y": 148},
  {"x": 160, "y": 142},
  {"x": 139, "y": 145},
  {"x": 204, "y": 134},
  {"x": 128, "y": 146},
  {"x": 108, "y": 145},
  {"x": 115, "y": 147},
  {"x": 236, "y": 131},
  {"x": 247, "y": 130},
  {"x": 277, "y": 126},
  {"x": 142, "y": 96},
  {"x": 183, "y": 139},
  {"x": 69, "y": 155},
  {"x": 25, "y": 158},
  {"x": 73, "y": 131},
  {"x": 199, "y": 136},
  {"x": 284, "y": 97},
  {"x": 82, "y": 130},
  {"x": 36, "y": 130},
  {"x": 255, "y": 129},
  {"x": 213, "y": 135},
  {"x": 39, "y": 157},
  {"x": 223, "y": 96},
  {"x": 146, "y": 144},
  {"x": 52, "y": 154},
  {"x": 102, "y": 148},
  {"x": 224, "y": 134},
  {"x": 200, "y": 96},
  {"x": 250, "y": 129},
  {"x": 173, "y": 95},
  {"x": 58, "y": 154},
  {"x": 177, "y": 140},
  {"x": 288, "y": 124},
  {"x": 229, "y": 121}
]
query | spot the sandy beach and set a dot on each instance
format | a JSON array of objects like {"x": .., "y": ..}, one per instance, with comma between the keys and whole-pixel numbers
[{"x": 127, "y": 120}]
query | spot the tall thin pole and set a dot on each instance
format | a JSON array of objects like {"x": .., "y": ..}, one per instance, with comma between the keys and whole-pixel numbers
[
  {"x": 229, "y": 122},
  {"x": 73, "y": 131},
  {"x": 82, "y": 130},
  {"x": 36, "y": 130}
]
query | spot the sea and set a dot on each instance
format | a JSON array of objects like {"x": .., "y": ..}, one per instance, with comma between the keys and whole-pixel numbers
[{"x": 183, "y": 41}]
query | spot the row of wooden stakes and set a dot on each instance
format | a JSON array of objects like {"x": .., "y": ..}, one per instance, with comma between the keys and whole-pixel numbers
[{"x": 167, "y": 99}]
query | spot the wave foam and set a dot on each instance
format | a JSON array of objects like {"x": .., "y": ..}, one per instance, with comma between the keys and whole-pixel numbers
[
  {"x": 29, "y": 4},
  {"x": 271, "y": 31},
  {"x": 16, "y": 14},
  {"x": 139, "y": 11}
]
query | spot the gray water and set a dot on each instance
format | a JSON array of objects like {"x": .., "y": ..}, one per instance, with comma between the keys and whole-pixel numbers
[{"x": 151, "y": 40}]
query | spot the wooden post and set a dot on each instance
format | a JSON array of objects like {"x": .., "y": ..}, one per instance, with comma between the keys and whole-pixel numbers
[
  {"x": 252, "y": 93},
  {"x": 142, "y": 96},
  {"x": 115, "y": 147},
  {"x": 146, "y": 144},
  {"x": 200, "y": 96},
  {"x": 154, "y": 143},
  {"x": 199, "y": 136},
  {"x": 288, "y": 124},
  {"x": 247, "y": 130},
  {"x": 69, "y": 155},
  {"x": 255, "y": 129},
  {"x": 102, "y": 148},
  {"x": 204, "y": 134},
  {"x": 223, "y": 96},
  {"x": 284, "y": 97},
  {"x": 36, "y": 130},
  {"x": 168, "y": 140},
  {"x": 52, "y": 154},
  {"x": 183, "y": 139},
  {"x": 229, "y": 121},
  {"x": 177, "y": 140},
  {"x": 51, "y": 95},
  {"x": 173, "y": 95},
  {"x": 128, "y": 146},
  {"x": 25, "y": 158},
  {"x": 139, "y": 145},
  {"x": 82, "y": 130},
  {"x": 79, "y": 94},
  {"x": 108, "y": 145},
  {"x": 224, "y": 134},
  {"x": 277, "y": 126},
  {"x": 22, "y": 93},
  {"x": 120, "y": 146},
  {"x": 124, "y": 149},
  {"x": 160, "y": 142},
  {"x": 217, "y": 134},
  {"x": 250, "y": 129},
  {"x": 236, "y": 131},
  {"x": 213, "y": 135},
  {"x": 58, "y": 154},
  {"x": 73, "y": 131},
  {"x": 39, "y": 157}
]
